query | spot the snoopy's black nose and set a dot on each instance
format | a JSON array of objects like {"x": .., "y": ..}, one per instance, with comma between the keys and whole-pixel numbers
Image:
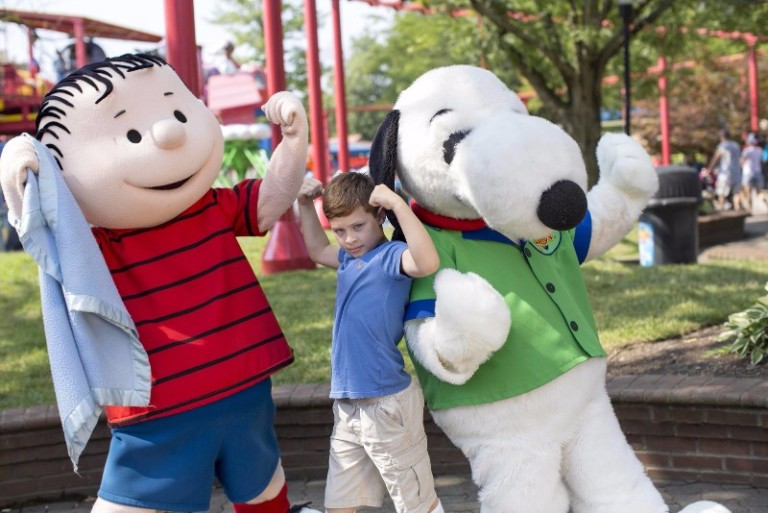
[{"x": 562, "y": 206}]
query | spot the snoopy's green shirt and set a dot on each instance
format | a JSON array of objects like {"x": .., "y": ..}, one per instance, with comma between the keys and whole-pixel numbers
[{"x": 552, "y": 325}]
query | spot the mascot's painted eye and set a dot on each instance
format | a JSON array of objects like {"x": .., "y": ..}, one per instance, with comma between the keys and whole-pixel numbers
[
  {"x": 449, "y": 146},
  {"x": 134, "y": 136},
  {"x": 180, "y": 116},
  {"x": 439, "y": 113}
]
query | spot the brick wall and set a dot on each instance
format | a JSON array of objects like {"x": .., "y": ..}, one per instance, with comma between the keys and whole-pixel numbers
[{"x": 682, "y": 428}]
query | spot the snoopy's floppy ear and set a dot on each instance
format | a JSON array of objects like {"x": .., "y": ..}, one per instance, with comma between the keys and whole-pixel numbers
[
  {"x": 382, "y": 162},
  {"x": 383, "y": 157}
]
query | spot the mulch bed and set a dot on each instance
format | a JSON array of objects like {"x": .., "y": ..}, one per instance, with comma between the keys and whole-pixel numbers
[{"x": 689, "y": 355}]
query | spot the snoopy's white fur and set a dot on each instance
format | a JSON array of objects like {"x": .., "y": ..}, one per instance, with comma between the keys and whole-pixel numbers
[{"x": 558, "y": 446}]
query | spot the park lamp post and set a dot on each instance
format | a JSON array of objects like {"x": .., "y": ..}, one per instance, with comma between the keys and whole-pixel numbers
[{"x": 625, "y": 10}]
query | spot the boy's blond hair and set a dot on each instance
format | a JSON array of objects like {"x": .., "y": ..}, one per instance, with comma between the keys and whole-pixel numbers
[{"x": 346, "y": 192}]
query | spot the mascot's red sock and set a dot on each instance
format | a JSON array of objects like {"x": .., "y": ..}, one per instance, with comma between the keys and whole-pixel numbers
[{"x": 279, "y": 504}]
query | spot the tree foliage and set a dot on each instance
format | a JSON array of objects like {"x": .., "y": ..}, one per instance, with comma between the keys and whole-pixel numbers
[
  {"x": 565, "y": 49},
  {"x": 562, "y": 49},
  {"x": 244, "y": 20},
  {"x": 702, "y": 99},
  {"x": 384, "y": 63}
]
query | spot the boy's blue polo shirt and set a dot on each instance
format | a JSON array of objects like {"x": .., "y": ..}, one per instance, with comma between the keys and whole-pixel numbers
[
  {"x": 552, "y": 325},
  {"x": 371, "y": 294}
]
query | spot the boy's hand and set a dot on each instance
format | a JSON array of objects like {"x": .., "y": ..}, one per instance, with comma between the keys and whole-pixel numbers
[
  {"x": 310, "y": 189},
  {"x": 284, "y": 109},
  {"x": 383, "y": 196}
]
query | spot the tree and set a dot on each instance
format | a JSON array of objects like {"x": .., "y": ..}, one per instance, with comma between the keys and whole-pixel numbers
[
  {"x": 244, "y": 18},
  {"x": 565, "y": 48},
  {"x": 383, "y": 63}
]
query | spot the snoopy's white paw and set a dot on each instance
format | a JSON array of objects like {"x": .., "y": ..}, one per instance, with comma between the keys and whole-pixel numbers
[
  {"x": 468, "y": 308},
  {"x": 705, "y": 507},
  {"x": 626, "y": 165}
]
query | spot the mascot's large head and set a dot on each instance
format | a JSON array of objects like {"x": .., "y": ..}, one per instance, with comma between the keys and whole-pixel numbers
[
  {"x": 465, "y": 147},
  {"x": 135, "y": 146}
]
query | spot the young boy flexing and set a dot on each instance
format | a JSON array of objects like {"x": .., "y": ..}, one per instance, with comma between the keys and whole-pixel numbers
[{"x": 378, "y": 409}]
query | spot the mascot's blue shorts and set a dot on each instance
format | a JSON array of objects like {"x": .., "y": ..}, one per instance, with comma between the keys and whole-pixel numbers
[{"x": 170, "y": 463}]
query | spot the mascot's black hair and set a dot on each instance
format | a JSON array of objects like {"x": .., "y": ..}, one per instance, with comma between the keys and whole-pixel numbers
[
  {"x": 382, "y": 161},
  {"x": 103, "y": 71}
]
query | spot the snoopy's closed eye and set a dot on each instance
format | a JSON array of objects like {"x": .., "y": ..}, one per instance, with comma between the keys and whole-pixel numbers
[
  {"x": 449, "y": 146},
  {"x": 438, "y": 114}
]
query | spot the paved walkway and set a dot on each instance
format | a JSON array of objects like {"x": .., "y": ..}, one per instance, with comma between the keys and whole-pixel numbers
[
  {"x": 459, "y": 494},
  {"x": 753, "y": 246}
]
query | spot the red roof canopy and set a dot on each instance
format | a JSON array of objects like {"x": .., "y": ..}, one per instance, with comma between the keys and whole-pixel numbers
[{"x": 66, "y": 24}]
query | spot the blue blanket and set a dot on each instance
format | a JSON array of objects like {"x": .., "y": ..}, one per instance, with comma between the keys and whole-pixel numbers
[{"x": 95, "y": 354}]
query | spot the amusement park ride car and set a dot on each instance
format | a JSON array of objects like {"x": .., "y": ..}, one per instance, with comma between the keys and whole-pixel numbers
[
  {"x": 232, "y": 97},
  {"x": 21, "y": 90}
]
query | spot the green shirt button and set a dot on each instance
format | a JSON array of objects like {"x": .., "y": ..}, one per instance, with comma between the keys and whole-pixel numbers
[
  {"x": 550, "y": 287},
  {"x": 574, "y": 326},
  {"x": 527, "y": 252}
]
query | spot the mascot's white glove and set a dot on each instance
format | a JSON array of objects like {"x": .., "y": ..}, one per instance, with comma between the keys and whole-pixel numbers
[
  {"x": 288, "y": 164},
  {"x": 471, "y": 322},
  {"x": 626, "y": 165},
  {"x": 18, "y": 156},
  {"x": 627, "y": 181}
]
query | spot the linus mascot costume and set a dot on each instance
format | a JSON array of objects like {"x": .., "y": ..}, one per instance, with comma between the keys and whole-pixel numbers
[
  {"x": 502, "y": 336},
  {"x": 152, "y": 312}
]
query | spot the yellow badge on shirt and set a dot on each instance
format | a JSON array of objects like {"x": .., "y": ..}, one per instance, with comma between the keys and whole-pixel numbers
[{"x": 547, "y": 245}]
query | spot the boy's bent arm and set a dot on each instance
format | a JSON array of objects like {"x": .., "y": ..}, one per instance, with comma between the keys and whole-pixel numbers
[
  {"x": 420, "y": 259},
  {"x": 320, "y": 250}
]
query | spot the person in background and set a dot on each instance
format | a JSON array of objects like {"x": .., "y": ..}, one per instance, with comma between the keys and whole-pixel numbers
[
  {"x": 728, "y": 181},
  {"x": 752, "y": 173},
  {"x": 227, "y": 63}
]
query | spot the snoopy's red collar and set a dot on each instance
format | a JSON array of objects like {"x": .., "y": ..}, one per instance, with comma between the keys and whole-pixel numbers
[{"x": 449, "y": 223}]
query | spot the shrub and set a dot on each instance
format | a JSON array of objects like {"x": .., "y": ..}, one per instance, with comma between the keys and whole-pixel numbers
[{"x": 748, "y": 331}]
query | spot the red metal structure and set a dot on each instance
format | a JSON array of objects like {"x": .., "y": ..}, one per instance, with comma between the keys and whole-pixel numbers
[
  {"x": 339, "y": 90},
  {"x": 181, "y": 48},
  {"x": 317, "y": 123},
  {"x": 20, "y": 93}
]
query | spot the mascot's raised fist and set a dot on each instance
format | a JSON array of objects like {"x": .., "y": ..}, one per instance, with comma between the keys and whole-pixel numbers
[{"x": 626, "y": 165}]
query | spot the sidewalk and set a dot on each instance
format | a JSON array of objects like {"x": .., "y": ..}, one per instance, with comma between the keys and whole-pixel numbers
[
  {"x": 753, "y": 246},
  {"x": 459, "y": 495}
]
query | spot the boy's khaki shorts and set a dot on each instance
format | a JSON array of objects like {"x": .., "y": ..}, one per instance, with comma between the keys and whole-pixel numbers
[{"x": 379, "y": 445}]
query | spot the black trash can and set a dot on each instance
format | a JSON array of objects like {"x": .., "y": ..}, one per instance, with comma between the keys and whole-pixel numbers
[{"x": 668, "y": 230}]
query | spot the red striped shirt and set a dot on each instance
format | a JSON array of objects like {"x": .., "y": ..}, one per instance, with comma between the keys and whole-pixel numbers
[{"x": 198, "y": 307}]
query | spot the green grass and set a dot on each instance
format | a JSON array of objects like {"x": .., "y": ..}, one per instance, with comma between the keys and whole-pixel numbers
[{"x": 631, "y": 304}]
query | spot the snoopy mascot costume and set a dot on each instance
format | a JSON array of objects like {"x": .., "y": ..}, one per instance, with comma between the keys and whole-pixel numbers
[{"x": 502, "y": 336}]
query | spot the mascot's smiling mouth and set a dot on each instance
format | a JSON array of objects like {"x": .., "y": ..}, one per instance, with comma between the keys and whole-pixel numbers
[{"x": 171, "y": 186}]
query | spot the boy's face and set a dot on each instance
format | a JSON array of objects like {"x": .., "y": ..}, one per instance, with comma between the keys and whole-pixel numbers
[
  {"x": 358, "y": 232},
  {"x": 142, "y": 155}
]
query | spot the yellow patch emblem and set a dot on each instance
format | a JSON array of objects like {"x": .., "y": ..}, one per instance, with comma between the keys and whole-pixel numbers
[{"x": 542, "y": 242}]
